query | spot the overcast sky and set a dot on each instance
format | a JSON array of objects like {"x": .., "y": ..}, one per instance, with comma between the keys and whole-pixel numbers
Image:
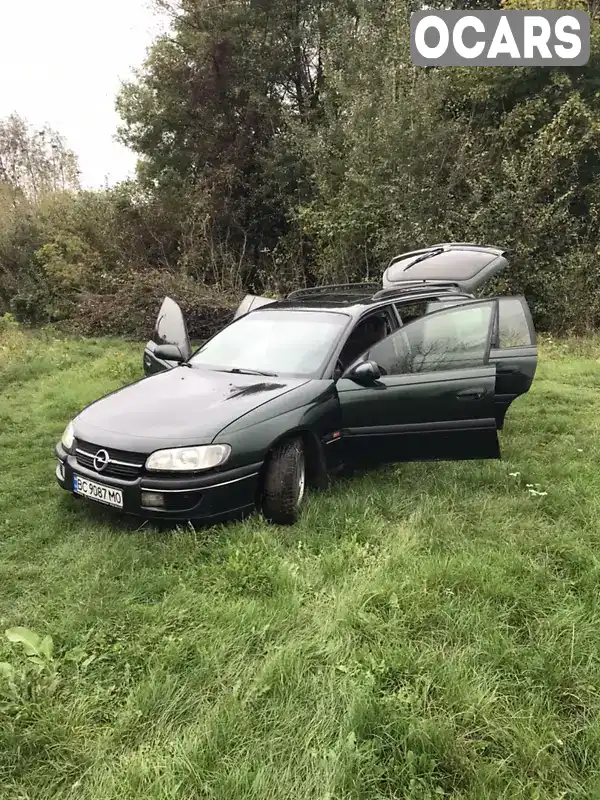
[{"x": 61, "y": 63}]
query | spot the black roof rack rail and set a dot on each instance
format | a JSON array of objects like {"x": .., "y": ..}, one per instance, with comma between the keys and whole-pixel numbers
[
  {"x": 338, "y": 287},
  {"x": 416, "y": 287}
]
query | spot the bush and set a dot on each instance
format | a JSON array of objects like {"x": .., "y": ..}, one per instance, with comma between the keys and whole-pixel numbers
[
  {"x": 132, "y": 309},
  {"x": 8, "y": 323}
]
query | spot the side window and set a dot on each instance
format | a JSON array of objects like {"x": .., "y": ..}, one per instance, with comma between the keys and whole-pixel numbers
[
  {"x": 514, "y": 323},
  {"x": 437, "y": 305},
  {"x": 170, "y": 327},
  {"x": 454, "y": 338},
  {"x": 511, "y": 328},
  {"x": 411, "y": 311},
  {"x": 368, "y": 332}
]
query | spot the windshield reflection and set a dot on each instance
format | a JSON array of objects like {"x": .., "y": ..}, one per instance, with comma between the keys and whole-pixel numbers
[{"x": 274, "y": 341}]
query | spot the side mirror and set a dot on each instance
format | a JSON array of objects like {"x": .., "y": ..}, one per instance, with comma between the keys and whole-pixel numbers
[
  {"x": 169, "y": 352},
  {"x": 365, "y": 372}
]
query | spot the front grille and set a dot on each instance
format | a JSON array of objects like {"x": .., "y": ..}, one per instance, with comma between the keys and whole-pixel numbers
[{"x": 123, "y": 465}]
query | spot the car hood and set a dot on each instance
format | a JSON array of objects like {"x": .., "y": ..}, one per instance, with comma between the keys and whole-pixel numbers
[{"x": 180, "y": 407}]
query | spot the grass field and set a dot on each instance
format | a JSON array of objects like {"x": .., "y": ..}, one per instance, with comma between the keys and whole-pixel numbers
[{"x": 426, "y": 631}]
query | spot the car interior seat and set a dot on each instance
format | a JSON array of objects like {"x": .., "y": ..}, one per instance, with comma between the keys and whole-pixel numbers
[{"x": 367, "y": 334}]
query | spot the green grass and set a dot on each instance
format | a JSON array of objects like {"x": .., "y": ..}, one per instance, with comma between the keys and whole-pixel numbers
[{"x": 429, "y": 630}]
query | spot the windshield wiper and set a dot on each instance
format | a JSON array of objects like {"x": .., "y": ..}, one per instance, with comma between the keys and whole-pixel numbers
[
  {"x": 238, "y": 371},
  {"x": 424, "y": 256}
]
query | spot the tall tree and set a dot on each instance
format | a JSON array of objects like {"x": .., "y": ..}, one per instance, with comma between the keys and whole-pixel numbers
[
  {"x": 35, "y": 162},
  {"x": 210, "y": 116}
]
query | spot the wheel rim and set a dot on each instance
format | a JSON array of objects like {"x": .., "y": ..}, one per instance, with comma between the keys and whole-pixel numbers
[{"x": 300, "y": 479}]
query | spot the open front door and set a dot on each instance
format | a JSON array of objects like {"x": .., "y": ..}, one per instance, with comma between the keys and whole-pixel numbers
[
  {"x": 514, "y": 350},
  {"x": 435, "y": 397},
  {"x": 170, "y": 328}
]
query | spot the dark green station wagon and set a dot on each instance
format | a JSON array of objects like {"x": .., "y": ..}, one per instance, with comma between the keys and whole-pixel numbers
[{"x": 414, "y": 368}]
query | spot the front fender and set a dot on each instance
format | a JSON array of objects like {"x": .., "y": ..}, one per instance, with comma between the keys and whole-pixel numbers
[{"x": 304, "y": 411}]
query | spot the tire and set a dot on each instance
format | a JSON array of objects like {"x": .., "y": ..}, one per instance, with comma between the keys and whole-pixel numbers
[{"x": 284, "y": 485}]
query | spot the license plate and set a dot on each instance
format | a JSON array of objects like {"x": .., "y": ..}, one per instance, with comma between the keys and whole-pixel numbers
[{"x": 97, "y": 492}]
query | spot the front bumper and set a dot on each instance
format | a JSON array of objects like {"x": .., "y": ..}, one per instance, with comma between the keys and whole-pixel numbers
[{"x": 203, "y": 498}]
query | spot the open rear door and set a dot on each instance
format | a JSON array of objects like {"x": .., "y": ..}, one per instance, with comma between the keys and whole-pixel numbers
[
  {"x": 468, "y": 266},
  {"x": 250, "y": 302},
  {"x": 514, "y": 350},
  {"x": 170, "y": 328}
]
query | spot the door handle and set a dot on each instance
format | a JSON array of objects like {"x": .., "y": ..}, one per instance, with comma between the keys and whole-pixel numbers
[
  {"x": 472, "y": 394},
  {"x": 506, "y": 370}
]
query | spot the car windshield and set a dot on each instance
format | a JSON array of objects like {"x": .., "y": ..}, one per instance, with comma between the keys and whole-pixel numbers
[{"x": 274, "y": 342}]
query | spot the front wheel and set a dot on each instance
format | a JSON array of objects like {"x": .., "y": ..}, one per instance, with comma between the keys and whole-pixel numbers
[{"x": 285, "y": 483}]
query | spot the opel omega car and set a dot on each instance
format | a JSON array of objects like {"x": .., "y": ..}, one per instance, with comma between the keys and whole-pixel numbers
[{"x": 291, "y": 391}]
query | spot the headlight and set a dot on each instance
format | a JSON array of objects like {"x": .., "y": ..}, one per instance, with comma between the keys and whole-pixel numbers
[
  {"x": 188, "y": 459},
  {"x": 68, "y": 437}
]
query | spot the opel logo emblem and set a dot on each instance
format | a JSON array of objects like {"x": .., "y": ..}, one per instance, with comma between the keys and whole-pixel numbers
[{"x": 101, "y": 460}]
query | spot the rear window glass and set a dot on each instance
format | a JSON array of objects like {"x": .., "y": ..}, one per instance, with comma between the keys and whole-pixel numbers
[{"x": 451, "y": 265}]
